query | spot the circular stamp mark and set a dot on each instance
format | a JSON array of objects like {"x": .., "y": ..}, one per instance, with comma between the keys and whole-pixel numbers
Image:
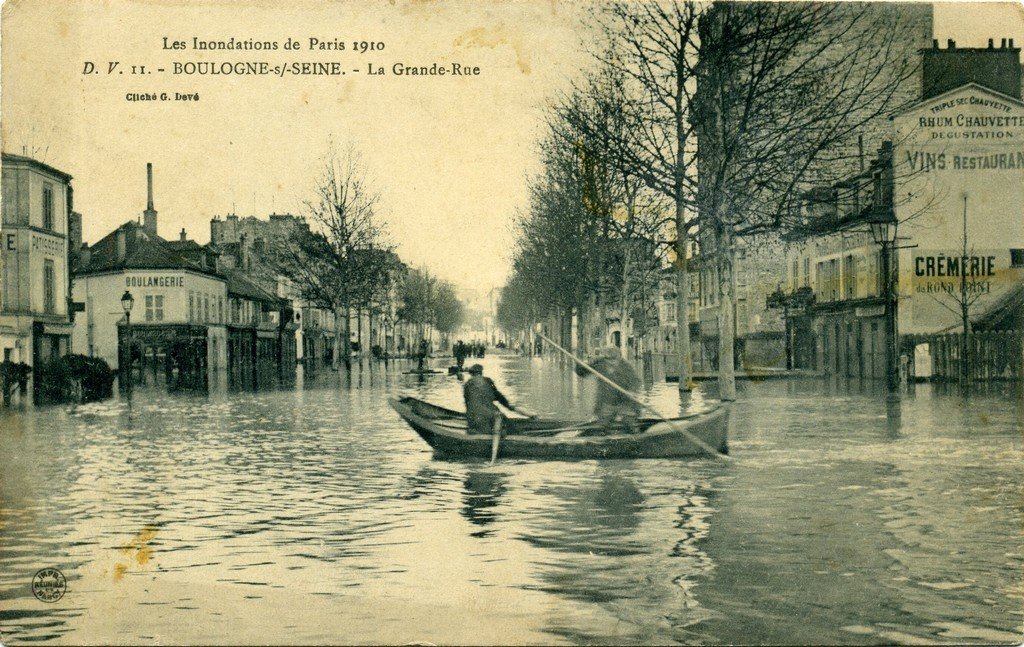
[{"x": 49, "y": 585}]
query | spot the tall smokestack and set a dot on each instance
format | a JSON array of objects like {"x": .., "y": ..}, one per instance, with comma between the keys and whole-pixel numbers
[{"x": 149, "y": 215}]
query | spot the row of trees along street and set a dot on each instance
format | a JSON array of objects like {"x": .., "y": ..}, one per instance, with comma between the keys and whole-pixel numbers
[
  {"x": 698, "y": 122},
  {"x": 341, "y": 260}
]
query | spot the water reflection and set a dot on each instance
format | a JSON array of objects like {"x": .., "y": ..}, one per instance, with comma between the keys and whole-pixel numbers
[
  {"x": 481, "y": 494},
  {"x": 844, "y": 519},
  {"x": 894, "y": 415}
]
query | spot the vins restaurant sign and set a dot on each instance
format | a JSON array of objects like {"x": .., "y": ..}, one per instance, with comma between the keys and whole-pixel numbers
[{"x": 990, "y": 130}]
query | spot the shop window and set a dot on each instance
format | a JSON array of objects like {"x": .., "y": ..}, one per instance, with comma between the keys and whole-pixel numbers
[
  {"x": 49, "y": 288},
  {"x": 48, "y": 206},
  {"x": 1017, "y": 258}
]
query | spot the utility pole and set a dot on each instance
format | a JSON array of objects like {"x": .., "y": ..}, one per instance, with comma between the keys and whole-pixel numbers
[
  {"x": 891, "y": 336},
  {"x": 965, "y": 305}
]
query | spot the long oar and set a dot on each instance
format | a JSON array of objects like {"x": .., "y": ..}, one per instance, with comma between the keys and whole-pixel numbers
[
  {"x": 496, "y": 438},
  {"x": 697, "y": 441},
  {"x": 496, "y": 435}
]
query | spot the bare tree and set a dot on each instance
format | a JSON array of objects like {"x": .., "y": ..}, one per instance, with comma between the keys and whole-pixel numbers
[
  {"x": 448, "y": 311},
  {"x": 961, "y": 301},
  {"x": 335, "y": 259},
  {"x": 637, "y": 225},
  {"x": 651, "y": 80},
  {"x": 781, "y": 88},
  {"x": 563, "y": 238}
]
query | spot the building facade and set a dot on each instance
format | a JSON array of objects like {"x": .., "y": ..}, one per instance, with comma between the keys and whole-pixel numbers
[
  {"x": 953, "y": 182},
  {"x": 761, "y": 260},
  {"x": 175, "y": 334},
  {"x": 834, "y": 293},
  {"x": 35, "y": 309},
  {"x": 247, "y": 244},
  {"x": 261, "y": 337}
]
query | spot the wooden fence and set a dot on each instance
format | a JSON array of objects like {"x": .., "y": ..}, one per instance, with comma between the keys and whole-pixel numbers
[{"x": 991, "y": 355}]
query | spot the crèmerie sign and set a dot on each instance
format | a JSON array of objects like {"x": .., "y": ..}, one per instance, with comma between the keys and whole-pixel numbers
[{"x": 937, "y": 272}]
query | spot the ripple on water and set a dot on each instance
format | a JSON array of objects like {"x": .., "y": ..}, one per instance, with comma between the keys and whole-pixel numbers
[{"x": 321, "y": 506}]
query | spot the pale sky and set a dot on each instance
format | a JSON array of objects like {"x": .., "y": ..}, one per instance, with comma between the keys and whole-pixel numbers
[{"x": 448, "y": 155}]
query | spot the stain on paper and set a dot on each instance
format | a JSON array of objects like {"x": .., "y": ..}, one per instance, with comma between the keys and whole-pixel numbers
[{"x": 493, "y": 37}]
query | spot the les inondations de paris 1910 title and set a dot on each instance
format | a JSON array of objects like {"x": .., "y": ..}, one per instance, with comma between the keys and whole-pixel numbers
[{"x": 276, "y": 68}]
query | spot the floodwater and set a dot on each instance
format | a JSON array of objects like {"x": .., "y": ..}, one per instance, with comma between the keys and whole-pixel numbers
[{"x": 313, "y": 515}]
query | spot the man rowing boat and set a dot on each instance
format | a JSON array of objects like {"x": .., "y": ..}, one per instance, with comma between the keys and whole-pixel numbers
[{"x": 481, "y": 394}]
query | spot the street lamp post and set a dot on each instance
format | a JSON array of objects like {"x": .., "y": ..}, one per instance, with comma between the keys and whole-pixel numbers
[
  {"x": 883, "y": 230},
  {"x": 127, "y": 301}
]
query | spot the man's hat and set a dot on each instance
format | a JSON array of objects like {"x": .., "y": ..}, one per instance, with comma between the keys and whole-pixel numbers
[{"x": 475, "y": 369}]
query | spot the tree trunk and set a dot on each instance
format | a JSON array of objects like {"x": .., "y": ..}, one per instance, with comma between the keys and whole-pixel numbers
[
  {"x": 369, "y": 334},
  {"x": 682, "y": 296},
  {"x": 359, "y": 330},
  {"x": 624, "y": 305},
  {"x": 346, "y": 345},
  {"x": 682, "y": 273},
  {"x": 726, "y": 303},
  {"x": 338, "y": 324},
  {"x": 585, "y": 330}
]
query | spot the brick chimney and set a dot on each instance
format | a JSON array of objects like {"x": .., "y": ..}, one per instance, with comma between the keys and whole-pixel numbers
[
  {"x": 183, "y": 236},
  {"x": 996, "y": 68},
  {"x": 243, "y": 252},
  {"x": 122, "y": 244},
  {"x": 149, "y": 215}
]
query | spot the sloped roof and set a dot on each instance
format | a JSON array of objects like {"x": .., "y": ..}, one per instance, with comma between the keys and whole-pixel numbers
[
  {"x": 21, "y": 159},
  {"x": 183, "y": 245},
  {"x": 142, "y": 252},
  {"x": 1006, "y": 313},
  {"x": 241, "y": 285}
]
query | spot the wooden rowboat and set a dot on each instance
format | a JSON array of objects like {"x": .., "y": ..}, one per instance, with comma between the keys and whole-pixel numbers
[{"x": 445, "y": 431}]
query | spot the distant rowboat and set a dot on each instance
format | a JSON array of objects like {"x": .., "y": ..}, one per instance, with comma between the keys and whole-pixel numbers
[{"x": 445, "y": 431}]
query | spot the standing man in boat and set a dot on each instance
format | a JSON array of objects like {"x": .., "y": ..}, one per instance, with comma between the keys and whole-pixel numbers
[
  {"x": 612, "y": 407},
  {"x": 481, "y": 394},
  {"x": 421, "y": 355}
]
